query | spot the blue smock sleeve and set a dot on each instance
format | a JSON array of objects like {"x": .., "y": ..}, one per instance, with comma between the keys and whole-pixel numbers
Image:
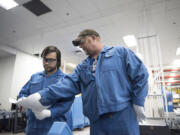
[
  {"x": 25, "y": 90},
  {"x": 138, "y": 75},
  {"x": 67, "y": 88},
  {"x": 61, "y": 108}
]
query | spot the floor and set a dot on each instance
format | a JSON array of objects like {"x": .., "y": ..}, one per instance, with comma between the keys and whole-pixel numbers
[{"x": 84, "y": 131}]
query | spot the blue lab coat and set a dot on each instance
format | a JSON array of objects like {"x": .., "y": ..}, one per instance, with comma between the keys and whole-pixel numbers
[
  {"x": 37, "y": 82},
  {"x": 120, "y": 80}
]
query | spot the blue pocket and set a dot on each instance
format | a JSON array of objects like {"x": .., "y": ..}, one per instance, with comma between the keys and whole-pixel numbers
[
  {"x": 85, "y": 77},
  {"x": 35, "y": 86}
]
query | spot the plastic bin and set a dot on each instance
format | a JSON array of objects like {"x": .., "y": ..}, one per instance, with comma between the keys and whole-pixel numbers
[{"x": 60, "y": 128}]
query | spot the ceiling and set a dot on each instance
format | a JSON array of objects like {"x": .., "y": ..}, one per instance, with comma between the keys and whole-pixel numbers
[{"x": 113, "y": 19}]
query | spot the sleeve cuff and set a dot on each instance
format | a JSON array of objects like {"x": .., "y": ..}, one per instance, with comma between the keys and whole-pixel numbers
[
  {"x": 44, "y": 98},
  {"x": 52, "y": 113},
  {"x": 139, "y": 102},
  {"x": 55, "y": 114}
]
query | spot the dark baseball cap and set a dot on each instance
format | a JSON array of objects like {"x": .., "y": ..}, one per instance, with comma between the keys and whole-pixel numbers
[{"x": 83, "y": 34}]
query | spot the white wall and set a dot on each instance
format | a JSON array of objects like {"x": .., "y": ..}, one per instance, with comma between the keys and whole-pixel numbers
[
  {"x": 6, "y": 72},
  {"x": 15, "y": 71},
  {"x": 25, "y": 66}
]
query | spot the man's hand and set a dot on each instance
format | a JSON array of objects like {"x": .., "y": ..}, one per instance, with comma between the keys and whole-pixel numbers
[
  {"x": 32, "y": 102},
  {"x": 43, "y": 114},
  {"x": 140, "y": 114}
]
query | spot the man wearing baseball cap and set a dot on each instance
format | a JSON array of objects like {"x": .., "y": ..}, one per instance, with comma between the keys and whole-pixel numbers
[{"x": 113, "y": 82}]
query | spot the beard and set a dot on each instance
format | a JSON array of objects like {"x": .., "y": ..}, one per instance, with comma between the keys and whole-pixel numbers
[{"x": 50, "y": 69}]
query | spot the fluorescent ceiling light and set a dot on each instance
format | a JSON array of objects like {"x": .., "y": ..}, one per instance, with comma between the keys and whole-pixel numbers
[
  {"x": 130, "y": 40},
  {"x": 8, "y": 4},
  {"x": 178, "y": 51}
]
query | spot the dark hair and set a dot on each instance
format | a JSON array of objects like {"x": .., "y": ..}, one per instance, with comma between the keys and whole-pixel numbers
[{"x": 50, "y": 49}]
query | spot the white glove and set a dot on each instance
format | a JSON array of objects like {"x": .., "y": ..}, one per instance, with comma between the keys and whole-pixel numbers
[
  {"x": 140, "y": 114},
  {"x": 43, "y": 114},
  {"x": 32, "y": 102}
]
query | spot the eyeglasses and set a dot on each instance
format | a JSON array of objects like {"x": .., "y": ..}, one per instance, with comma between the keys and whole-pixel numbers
[{"x": 49, "y": 60}]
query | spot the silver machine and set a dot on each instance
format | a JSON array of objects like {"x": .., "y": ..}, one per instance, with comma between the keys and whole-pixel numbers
[{"x": 159, "y": 120}]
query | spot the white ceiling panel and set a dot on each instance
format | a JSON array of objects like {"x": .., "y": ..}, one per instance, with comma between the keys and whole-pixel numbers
[
  {"x": 83, "y": 7},
  {"x": 113, "y": 19},
  {"x": 62, "y": 9}
]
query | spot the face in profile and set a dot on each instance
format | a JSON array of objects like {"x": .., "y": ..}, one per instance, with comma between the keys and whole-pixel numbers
[{"x": 89, "y": 45}]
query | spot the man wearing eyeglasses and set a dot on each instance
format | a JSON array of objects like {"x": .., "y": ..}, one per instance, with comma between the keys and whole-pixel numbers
[
  {"x": 39, "y": 122},
  {"x": 113, "y": 82}
]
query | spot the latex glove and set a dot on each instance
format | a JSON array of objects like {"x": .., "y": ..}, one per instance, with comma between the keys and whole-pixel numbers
[
  {"x": 43, "y": 114},
  {"x": 140, "y": 114},
  {"x": 32, "y": 102}
]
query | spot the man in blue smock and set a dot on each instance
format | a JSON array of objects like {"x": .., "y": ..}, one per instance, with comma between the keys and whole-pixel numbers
[
  {"x": 113, "y": 82},
  {"x": 39, "y": 122}
]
